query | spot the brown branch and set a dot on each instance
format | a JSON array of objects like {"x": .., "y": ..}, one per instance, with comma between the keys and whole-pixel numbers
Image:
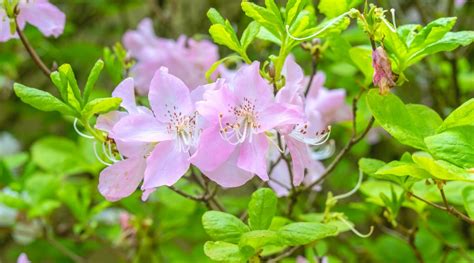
[
  {"x": 46, "y": 71},
  {"x": 283, "y": 255},
  {"x": 448, "y": 209},
  {"x": 314, "y": 68},
  {"x": 352, "y": 141}
]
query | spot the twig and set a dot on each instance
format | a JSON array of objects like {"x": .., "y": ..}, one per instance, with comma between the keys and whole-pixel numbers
[
  {"x": 314, "y": 68},
  {"x": 353, "y": 141},
  {"x": 46, "y": 71},
  {"x": 448, "y": 209},
  {"x": 283, "y": 255},
  {"x": 64, "y": 250}
]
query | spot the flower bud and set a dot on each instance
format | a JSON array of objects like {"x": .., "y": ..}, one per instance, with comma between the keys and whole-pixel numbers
[{"x": 383, "y": 77}]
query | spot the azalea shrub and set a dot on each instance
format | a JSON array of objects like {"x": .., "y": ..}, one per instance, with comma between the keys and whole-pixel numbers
[{"x": 270, "y": 131}]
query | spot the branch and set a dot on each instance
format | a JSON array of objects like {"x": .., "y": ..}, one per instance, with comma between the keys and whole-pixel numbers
[
  {"x": 314, "y": 67},
  {"x": 283, "y": 255},
  {"x": 448, "y": 209},
  {"x": 46, "y": 71},
  {"x": 353, "y": 141}
]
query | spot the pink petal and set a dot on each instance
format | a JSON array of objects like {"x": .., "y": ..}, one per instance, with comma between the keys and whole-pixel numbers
[
  {"x": 106, "y": 122},
  {"x": 141, "y": 128},
  {"x": 169, "y": 95},
  {"x": 212, "y": 150},
  {"x": 126, "y": 91},
  {"x": 23, "y": 258},
  {"x": 248, "y": 83},
  {"x": 44, "y": 15},
  {"x": 279, "y": 114},
  {"x": 300, "y": 159},
  {"x": 165, "y": 166},
  {"x": 228, "y": 174},
  {"x": 316, "y": 85},
  {"x": 142, "y": 73},
  {"x": 122, "y": 178},
  {"x": 215, "y": 102},
  {"x": 280, "y": 179},
  {"x": 5, "y": 33},
  {"x": 133, "y": 149},
  {"x": 293, "y": 73},
  {"x": 252, "y": 156}
]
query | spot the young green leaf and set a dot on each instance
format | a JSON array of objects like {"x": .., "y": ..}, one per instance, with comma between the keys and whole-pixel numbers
[
  {"x": 400, "y": 168},
  {"x": 442, "y": 169},
  {"x": 92, "y": 79},
  {"x": 225, "y": 35},
  {"x": 67, "y": 74},
  {"x": 41, "y": 100},
  {"x": 454, "y": 145},
  {"x": 464, "y": 115},
  {"x": 249, "y": 35},
  {"x": 303, "y": 233},
  {"x": 369, "y": 165},
  {"x": 60, "y": 85},
  {"x": 265, "y": 18},
  {"x": 409, "y": 124},
  {"x": 292, "y": 9},
  {"x": 223, "y": 251},
  {"x": 253, "y": 241},
  {"x": 262, "y": 208},
  {"x": 215, "y": 17},
  {"x": 100, "y": 106},
  {"x": 223, "y": 226},
  {"x": 431, "y": 33}
]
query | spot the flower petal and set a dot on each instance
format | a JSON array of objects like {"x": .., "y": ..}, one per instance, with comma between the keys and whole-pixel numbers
[
  {"x": 300, "y": 158},
  {"x": 126, "y": 91},
  {"x": 140, "y": 128},
  {"x": 105, "y": 122},
  {"x": 212, "y": 150},
  {"x": 252, "y": 156},
  {"x": 122, "y": 178},
  {"x": 169, "y": 95},
  {"x": 278, "y": 114},
  {"x": 44, "y": 15},
  {"x": 228, "y": 174},
  {"x": 165, "y": 166},
  {"x": 248, "y": 83}
]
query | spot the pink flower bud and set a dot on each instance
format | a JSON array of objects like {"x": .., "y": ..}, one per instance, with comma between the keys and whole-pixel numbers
[{"x": 383, "y": 77}]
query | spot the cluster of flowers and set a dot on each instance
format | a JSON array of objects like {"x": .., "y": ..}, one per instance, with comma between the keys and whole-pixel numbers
[{"x": 228, "y": 129}]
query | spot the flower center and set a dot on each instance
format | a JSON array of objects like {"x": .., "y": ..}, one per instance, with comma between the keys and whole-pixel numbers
[
  {"x": 183, "y": 127},
  {"x": 240, "y": 123}
]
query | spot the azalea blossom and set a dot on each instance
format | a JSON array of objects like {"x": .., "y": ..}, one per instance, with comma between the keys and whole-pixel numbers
[
  {"x": 171, "y": 129},
  {"x": 321, "y": 108},
  {"x": 185, "y": 58},
  {"x": 239, "y": 113},
  {"x": 122, "y": 178},
  {"x": 23, "y": 258},
  {"x": 39, "y": 13}
]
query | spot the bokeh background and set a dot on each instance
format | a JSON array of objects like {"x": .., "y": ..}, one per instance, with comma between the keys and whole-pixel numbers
[{"x": 65, "y": 219}]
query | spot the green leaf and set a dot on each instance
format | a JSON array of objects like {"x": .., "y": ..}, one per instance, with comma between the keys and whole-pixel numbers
[
  {"x": 60, "y": 85},
  {"x": 292, "y": 9},
  {"x": 302, "y": 233},
  {"x": 13, "y": 200},
  {"x": 216, "y": 64},
  {"x": 225, "y": 35},
  {"x": 223, "y": 226},
  {"x": 67, "y": 74},
  {"x": 266, "y": 35},
  {"x": 362, "y": 58},
  {"x": 223, "y": 251},
  {"x": 215, "y": 17},
  {"x": 409, "y": 124},
  {"x": 333, "y": 8},
  {"x": 92, "y": 79},
  {"x": 400, "y": 168},
  {"x": 397, "y": 49},
  {"x": 370, "y": 166},
  {"x": 265, "y": 18},
  {"x": 332, "y": 26},
  {"x": 100, "y": 106},
  {"x": 262, "y": 208},
  {"x": 441, "y": 169},
  {"x": 249, "y": 34},
  {"x": 450, "y": 41},
  {"x": 463, "y": 115},
  {"x": 432, "y": 32},
  {"x": 41, "y": 100},
  {"x": 454, "y": 145},
  {"x": 468, "y": 198},
  {"x": 253, "y": 241}
]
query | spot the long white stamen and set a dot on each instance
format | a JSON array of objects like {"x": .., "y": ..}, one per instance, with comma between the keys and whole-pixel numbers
[
  {"x": 355, "y": 231},
  {"x": 392, "y": 11},
  {"x": 98, "y": 157},
  {"x": 107, "y": 154},
  {"x": 79, "y": 132},
  {"x": 327, "y": 151},
  {"x": 388, "y": 25},
  {"x": 342, "y": 196}
]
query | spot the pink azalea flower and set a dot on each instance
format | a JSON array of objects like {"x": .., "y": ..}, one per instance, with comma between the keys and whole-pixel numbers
[
  {"x": 321, "y": 107},
  {"x": 40, "y": 13},
  {"x": 23, "y": 258},
  {"x": 238, "y": 113},
  {"x": 172, "y": 129},
  {"x": 185, "y": 58},
  {"x": 122, "y": 178}
]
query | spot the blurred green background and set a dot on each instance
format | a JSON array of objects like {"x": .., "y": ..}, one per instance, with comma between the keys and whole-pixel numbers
[{"x": 65, "y": 217}]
